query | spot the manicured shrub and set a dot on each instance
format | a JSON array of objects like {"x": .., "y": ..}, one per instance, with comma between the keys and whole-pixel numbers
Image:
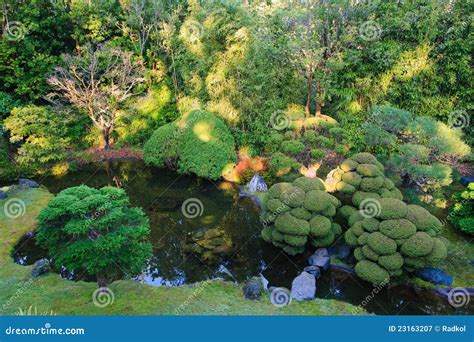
[
  {"x": 462, "y": 211},
  {"x": 372, "y": 272},
  {"x": 95, "y": 232},
  {"x": 281, "y": 164},
  {"x": 302, "y": 213},
  {"x": 198, "y": 143},
  {"x": 292, "y": 147}
]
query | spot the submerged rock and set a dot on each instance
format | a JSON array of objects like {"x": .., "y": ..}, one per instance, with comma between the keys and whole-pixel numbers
[
  {"x": 314, "y": 270},
  {"x": 253, "y": 289},
  {"x": 320, "y": 258},
  {"x": 3, "y": 195},
  {"x": 303, "y": 287},
  {"x": 466, "y": 180},
  {"x": 257, "y": 183},
  {"x": 25, "y": 184},
  {"x": 40, "y": 267},
  {"x": 435, "y": 276}
]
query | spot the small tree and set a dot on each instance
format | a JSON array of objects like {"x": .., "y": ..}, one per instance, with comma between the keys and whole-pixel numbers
[
  {"x": 98, "y": 81},
  {"x": 95, "y": 232}
]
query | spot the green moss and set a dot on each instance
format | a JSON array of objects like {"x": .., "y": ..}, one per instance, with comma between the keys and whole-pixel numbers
[
  {"x": 293, "y": 250},
  {"x": 358, "y": 255},
  {"x": 292, "y": 196},
  {"x": 392, "y": 208},
  {"x": 360, "y": 196},
  {"x": 381, "y": 244},
  {"x": 362, "y": 239},
  {"x": 439, "y": 252},
  {"x": 316, "y": 200},
  {"x": 330, "y": 211},
  {"x": 391, "y": 262},
  {"x": 317, "y": 153},
  {"x": 369, "y": 170},
  {"x": 292, "y": 147},
  {"x": 397, "y": 229},
  {"x": 276, "y": 206},
  {"x": 350, "y": 238},
  {"x": 319, "y": 226},
  {"x": 345, "y": 188},
  {"x": 277, "y": 189},
  {"x": 301, "y": 213},
  {"x": 371, "y": 184},
  {"x": 372, "y": 272},
  {"x": 336, "y": 229},
  {"x": 369, "y": 253},
  {"x": 388, "y": 184},
  {"x": 358, "y": 229},
  {"x": 420, "y": 244},
  {"x": 288, "y": 224},
  {"x": 364, "y": 158},
  {"x": 324, "y": 241},
  {"x": 295, "y": 240},
  {"x": 277, "y": 236},
  {"x": 266, "y": 234},
  {"x": 352, "y": 178},
  {"x": 346, "y": 211},
  {"x": 307, "y": 184},
  {"x": 355, "y": 217},
  {"x": 370, "y": 224},
  {"x": 349, "y": 165},
  {"x": 422, "y": 218}
]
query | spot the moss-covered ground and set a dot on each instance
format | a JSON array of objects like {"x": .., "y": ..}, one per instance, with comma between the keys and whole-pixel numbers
[{"x": 51, "y": 293}]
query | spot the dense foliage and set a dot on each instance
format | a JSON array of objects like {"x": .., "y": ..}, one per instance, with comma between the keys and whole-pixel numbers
[
  {"x": 198, "y": 143},
  {"x": 95, "y": 232},
  {"x": 299, "y": 213},
  {"x": 462, "y": 211}
]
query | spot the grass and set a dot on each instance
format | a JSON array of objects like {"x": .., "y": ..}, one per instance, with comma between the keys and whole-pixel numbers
[{"x": 54, "y": 295}]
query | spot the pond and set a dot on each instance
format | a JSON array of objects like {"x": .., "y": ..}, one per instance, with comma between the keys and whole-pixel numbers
[{"x": 224, "y": 222}]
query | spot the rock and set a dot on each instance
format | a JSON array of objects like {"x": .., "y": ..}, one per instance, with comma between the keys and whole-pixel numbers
[
  {"x": 264, "y": 282},
  {"x": 24, "y": 184},
  {"x": 314, "y": 270},
  {"x": 466, "y": 180},
  {"x": 257, "y": 183},
  {"x": 435, "y": 276},
  {"x": 212, "y": 233},
  {"x": 320, "y": 258},
  {"x": 472, "y": 263},
  {"x": 303, "y": 287},
  {"x": 3, "y": 195},
  {"x": 40, "y": 267},
  {"x": 344, "y": 252},
  {"x": 253, "y": 289}
]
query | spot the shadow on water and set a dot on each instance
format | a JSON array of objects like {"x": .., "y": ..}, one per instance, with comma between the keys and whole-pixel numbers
[{"x": 161, "y": 193}]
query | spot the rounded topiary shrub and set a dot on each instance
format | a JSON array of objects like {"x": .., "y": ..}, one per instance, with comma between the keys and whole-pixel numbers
[
  {"x": 198, "y": 143},
  {"x": 299, "y": 213},
  {"x": 386, "y": 245}
]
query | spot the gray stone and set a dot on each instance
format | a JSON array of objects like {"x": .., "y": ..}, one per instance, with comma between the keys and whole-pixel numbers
[
  {"x": 257, "y": 183},
  {"x": 253, "y": 289},
  {"x": 303, "y": 287},
  {"x": 314, "y": 270},
  {"x": 3, "y": 195},
  {"x": 24, "y": 184},
  {"x": 40, "y": 267},
  {"x": 320, "y": 258},
  {"x": 264, "y": 282}
]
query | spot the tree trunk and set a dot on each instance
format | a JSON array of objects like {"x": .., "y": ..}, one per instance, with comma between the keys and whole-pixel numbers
[
  {"x": 101, "y": 280},
  {"x": 318, "y": 103},
  {"x": 307, "y": 108},
  {"x": 106, "y": 138}
]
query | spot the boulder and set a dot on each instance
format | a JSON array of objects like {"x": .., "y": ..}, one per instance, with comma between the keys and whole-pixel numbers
[
  {"x": 253, "y": 289},
  {"x": 24, "y": 184},
  {"x": 257, "y": 183},
  {"x": 344, "y": 252},
  {"x": 435, "y": 276},
  {"x": 314, "y": 270},
  {"x": 466, "y": 180},
  {"x": 3, "y": 195},
  {"x": 320, "y": 258},
  {"x": 303, "y": 287},
  {"x": 264, "y": 282},
  {"x": 40, "y": 267}
]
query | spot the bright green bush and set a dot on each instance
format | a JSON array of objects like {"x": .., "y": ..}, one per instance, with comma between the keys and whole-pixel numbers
[
  {"x": 199, "y": 143},
  {"x": 462, "y": 211},
  {"x": 95, "y": 232},
  {"x": 297, "y": 213},
  {"x": 292, "y": 147},
  {"x": 281, "y": 164}
]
